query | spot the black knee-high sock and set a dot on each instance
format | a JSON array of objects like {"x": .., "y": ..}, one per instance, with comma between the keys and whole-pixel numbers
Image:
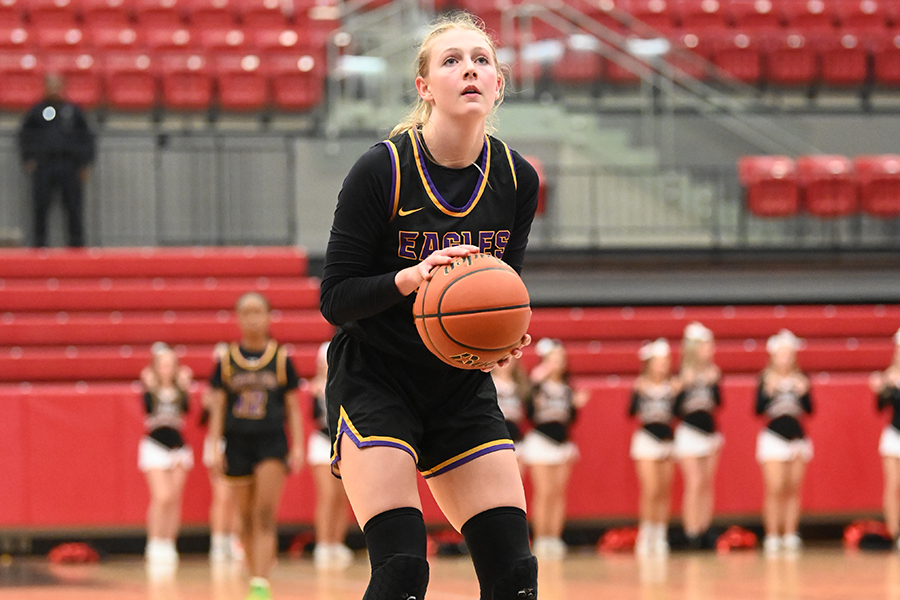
[
  {"x": 498, "y": 541},
  {"x": 397, "y": 546}
]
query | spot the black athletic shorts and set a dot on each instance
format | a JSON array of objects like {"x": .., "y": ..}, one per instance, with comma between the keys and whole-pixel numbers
[
  {"x": 443, "y": 417},
  {"x": 243, "y": 451}
]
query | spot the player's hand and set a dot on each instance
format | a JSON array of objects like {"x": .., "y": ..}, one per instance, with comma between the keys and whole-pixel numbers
[
  {"x": 516, "y": 353},
  {"x": 148, "y": 378},
  {"x": 295, "y": 458},
  {"x": 184, "y": 377},
  {"x": 409, "y": 279}
]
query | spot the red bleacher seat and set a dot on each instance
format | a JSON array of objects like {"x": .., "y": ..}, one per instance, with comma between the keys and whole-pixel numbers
[
  {"x": 276, "y": 38},
  {"x": 790, "y": 59},
  {"x": 14, "y": 36},
  {"x": 693, "y": 51},
  {"x": 82, "y": 76},
  {"x": 754, "y": 15},
  {"x": 241, "y": 83},
  {"x": 185, "y": 81},
  {"x": 862, "y": 14},
  {"x": 886, "y": 58},
  {"x": 209, "y": 14},
  {"x": 578, "y": 66},
  {"x": 9, "y": 12},
  {"x": 658, "y": 14},
  {"x": 21, "y": 81},
  {"x": 90, "y": 6},
  {"x": 219, "y": 38},
  {"x": 116, "y": 328},
  {"x": 829, "y": 187},
  {"x": 130, "y": 83},
  {"x": 58, "y": 16},
  {"x": 771, "y": 185},
  {"x": 106, "y": 12},
  {"x": 297, "y": 79},
  {"x": 194, "y": 262},
  {"x": 809, "y": 15},
  {"x": 844, "y": 59},
  {"x": 700, "y": 14},
  {"x": 738, "y": 54},
  {"x": 879, "y": 184},
  {"x": 156, "y": 294},
  {"x": 112, "y": 37},
  {"x": 58, "y": 36},
  {"x": 166, "y": 37}
]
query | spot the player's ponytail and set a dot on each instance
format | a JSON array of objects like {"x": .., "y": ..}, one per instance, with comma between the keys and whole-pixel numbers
[{"x": 421, "y": 111}]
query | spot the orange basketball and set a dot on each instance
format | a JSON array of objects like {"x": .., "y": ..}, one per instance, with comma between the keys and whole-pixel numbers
[{"x": 473, "y": 312}]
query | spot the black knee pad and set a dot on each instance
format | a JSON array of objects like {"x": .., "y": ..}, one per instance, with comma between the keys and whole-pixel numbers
[
  {"x": 402, "y": 577},
  {"x": 498, "y": 544},
  {"x": 519, "y": 583}
]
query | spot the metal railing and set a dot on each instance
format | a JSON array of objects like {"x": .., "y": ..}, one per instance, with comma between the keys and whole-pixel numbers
[{"x": 226, "y": 189}]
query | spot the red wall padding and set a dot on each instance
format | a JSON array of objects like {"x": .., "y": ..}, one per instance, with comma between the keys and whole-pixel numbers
[{"x": 70, "y": 456}]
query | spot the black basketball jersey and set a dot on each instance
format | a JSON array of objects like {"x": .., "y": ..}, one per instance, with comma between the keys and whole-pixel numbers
[
  {"x": 428, "y": 207},
  {"x": 255, "y": 387}
]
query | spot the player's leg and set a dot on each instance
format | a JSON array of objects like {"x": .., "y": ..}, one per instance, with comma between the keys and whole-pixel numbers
[
  {"x": 41, "y": 193},
  {"x": 221, "y": 516},
  {"x": 381, "y": 485},
  {"x": 485, "y": 500},
  {"x": 891, "y": 468},
  {"x": 242, "y": 492},
  {"x": 665, "y": 473},
  {"x": 157, "y": 481},
  {"x": 268, "y": 482},
  {"x": 648, "y": 482}
]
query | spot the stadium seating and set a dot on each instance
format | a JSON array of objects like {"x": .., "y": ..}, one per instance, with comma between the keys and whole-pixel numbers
[
  {"x": 831, "y": 186},
  {"x": 186, "y": 83},
  {"x": 770, "y": 184}
]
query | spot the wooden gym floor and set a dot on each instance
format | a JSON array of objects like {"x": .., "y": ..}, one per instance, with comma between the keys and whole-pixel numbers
[{"x": 817, "y": 574}]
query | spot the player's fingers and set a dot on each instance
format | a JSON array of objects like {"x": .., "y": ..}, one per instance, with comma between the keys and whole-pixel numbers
[{"x": 526, "y": 340}]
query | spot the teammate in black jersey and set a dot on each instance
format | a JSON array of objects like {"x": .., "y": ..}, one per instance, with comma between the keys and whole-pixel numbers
[
  {"x": 439, "y": 188},
  {"x": 782, "y": 448},
  {"x": 256, "y": 387},
  {"x": 163, "y": 456},
  {"x": 886, "y": 386},
  {"x": 697, "y": 443},
  {"x": 653, "y": 401},
  {"x": 332, "y": 510}
]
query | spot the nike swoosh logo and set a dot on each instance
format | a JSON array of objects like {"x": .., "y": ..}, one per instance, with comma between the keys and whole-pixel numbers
[{"x": 403, "y": 213}]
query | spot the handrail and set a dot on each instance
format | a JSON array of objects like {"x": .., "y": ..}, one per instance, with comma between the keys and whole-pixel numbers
[{"x": 730, "y": 111}]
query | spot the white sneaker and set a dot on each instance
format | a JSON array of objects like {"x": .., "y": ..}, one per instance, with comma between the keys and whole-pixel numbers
[
  {"x": 792, "y": 542},
  {"x": 772, "y": 544},
  {"x": 219, "y": 550},
  {"x": 660, "y": 539},
  {"x": 548, "y": 548},
  {"x": 236, "y": 549}
]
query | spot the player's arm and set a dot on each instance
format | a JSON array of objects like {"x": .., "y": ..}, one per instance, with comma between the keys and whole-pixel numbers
[
  {"x": 295, "y": 426},
  {"x": 216, "y": 426}
]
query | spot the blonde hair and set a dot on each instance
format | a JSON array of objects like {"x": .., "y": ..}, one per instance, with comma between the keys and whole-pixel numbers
[{"x": 421, "y": 111}]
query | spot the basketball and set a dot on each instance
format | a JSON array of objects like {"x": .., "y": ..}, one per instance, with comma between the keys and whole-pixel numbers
[{"x": 473, "y": 312}]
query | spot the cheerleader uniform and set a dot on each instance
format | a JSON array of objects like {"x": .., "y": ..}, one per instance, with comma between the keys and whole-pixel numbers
[
  {"x": 696, "y": 435},
  {"x": 163, "y": 447},
  {"x": 551, "y": 412},
  {"x": 318, "y": 447},
  {"x": 511, "y": 406},
  {"x": 783, "y": 439},
  {"x": 653, "y": 406},
  {"x": 889, "y": 444}
]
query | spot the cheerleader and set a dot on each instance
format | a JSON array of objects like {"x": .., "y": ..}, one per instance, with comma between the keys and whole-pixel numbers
[
  {"x": 546, "y": 449},
  {"x": 163, "y": 456},
  {"x": 224, "y": 522},
  {"x": 886, "y": 386},
  {"x": 513, "y": 387},
  {"x": 331, "y": 520},
  {"x": 655, "y": 390},
  {"x": 697, "y": 443},
  {"x": 782, "y": 448}
]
